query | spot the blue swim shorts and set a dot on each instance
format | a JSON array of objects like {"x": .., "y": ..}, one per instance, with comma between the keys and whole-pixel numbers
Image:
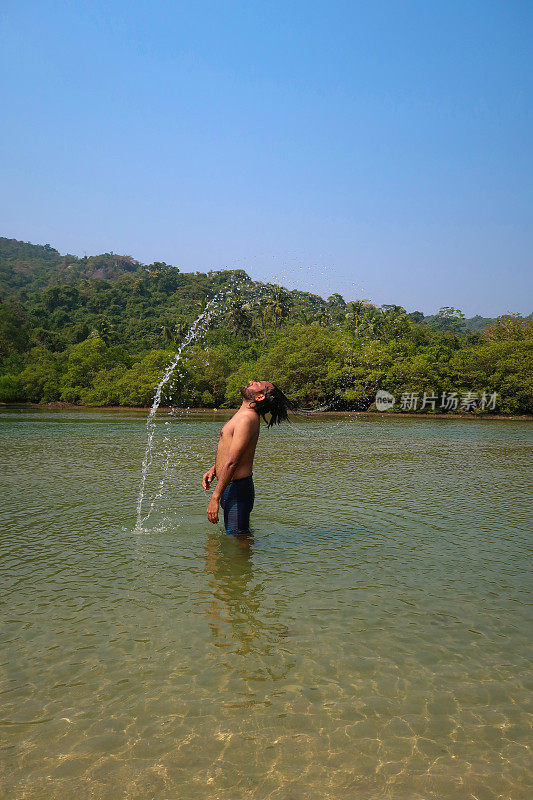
[{"x": 237, "y": 501}]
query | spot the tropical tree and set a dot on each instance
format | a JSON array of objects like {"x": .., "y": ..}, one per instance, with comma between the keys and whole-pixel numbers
[
  {"x": 448, "y": 319},
  {"x": 167, "y": 332},
  {"x": 239, "y": 316},
  {"x": 354, "y": 315},
  {"x": 510, "y": 327},
  {"x": 307, "y": 361},
  {"x": 279, "y": 306}
]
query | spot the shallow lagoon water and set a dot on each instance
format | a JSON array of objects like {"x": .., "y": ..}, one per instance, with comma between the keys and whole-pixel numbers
[{"x": 372, "y": 641}]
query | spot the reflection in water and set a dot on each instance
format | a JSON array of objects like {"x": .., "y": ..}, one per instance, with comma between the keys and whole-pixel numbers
[{"x": 234, "y": 609}]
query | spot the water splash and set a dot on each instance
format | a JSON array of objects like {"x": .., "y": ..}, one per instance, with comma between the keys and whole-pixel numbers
[
  {"x": 215, "y": 307},
  {"x": 199, "y": 326}
]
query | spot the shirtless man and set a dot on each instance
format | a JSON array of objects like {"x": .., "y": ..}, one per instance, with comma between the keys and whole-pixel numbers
[{"x": 235, "y": 454}]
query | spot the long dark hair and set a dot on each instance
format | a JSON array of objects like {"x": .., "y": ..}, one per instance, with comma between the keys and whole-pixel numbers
[{"x": 276, "y": 404}]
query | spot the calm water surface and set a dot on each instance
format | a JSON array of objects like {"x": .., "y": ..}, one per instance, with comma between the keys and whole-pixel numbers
[{"x": 372, "y": 641}]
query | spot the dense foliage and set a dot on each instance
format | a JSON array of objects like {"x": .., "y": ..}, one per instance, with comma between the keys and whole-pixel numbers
[{"x": 100, "y": 331}]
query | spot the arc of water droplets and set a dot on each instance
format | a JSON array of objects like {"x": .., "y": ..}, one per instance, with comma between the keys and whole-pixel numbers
[
  {"x": 211, "y": 308},
  {"x": 204, "y": 317}
]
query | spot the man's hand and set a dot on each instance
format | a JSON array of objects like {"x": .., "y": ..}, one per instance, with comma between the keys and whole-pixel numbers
[
  {"x": 208, "y": 478},
  {"x": 212, "y": 510}
]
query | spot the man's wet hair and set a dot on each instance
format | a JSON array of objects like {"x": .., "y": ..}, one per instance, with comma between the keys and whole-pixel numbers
[{"x": 276, "y": 404}]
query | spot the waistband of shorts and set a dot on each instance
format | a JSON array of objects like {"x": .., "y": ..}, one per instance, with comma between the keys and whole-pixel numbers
[{"x": 246, "y": 478}]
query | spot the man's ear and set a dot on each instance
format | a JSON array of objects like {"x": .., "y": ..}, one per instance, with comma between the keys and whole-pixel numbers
[{"x": 260, "y": 396}]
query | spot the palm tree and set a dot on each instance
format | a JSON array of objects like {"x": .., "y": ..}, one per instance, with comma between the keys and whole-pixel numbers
[
  {"x": 179, "y": 331},
  {"x": 263, "y": 316},
  {"x": 167, "y": 332},
  {"x": 239, "y": 316},
  {"x": 323, "y": 318},
  {"x": 355, "y": 314},
  {"x": 372, "y": 324},
  {"x": 279, "y": 306}
]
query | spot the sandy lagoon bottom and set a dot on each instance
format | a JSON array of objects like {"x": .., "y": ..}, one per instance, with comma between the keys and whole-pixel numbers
[{"x": 371, "y": 641}]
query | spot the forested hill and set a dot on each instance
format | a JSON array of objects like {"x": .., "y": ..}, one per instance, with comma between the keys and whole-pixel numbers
[
  {"x": 33, "y": 267},
  {"x": 26, "y": 268},
  {"x": 99, "y": 330}
]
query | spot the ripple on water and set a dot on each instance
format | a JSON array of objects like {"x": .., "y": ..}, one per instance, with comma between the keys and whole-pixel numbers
[{"x": 372, "y": 640}]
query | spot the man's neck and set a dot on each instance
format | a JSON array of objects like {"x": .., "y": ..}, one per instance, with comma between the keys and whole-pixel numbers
[{"x": 246, "y": 406}]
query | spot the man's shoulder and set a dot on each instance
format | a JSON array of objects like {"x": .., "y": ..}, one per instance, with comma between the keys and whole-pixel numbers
[
  {"x": 240, "y": 421},
  {"x": 247, "y": 421}
]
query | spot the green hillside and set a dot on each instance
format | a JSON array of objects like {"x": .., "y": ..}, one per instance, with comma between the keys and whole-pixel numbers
[
  {"x": 100, "y": 330},
  {"x": 33, "y": 267}
]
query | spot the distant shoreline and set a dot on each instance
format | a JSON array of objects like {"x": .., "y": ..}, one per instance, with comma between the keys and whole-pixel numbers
[{"x": 60, "y": 406}]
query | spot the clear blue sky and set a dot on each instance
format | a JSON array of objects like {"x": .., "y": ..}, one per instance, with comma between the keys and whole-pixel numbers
[{"x": 379, "y": 149}]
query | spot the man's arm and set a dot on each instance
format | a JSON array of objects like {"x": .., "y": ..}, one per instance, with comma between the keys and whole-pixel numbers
[{"x": 242, "y": 434}]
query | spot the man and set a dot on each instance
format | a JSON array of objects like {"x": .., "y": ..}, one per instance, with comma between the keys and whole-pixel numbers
[{"x": 235, "y": 454}]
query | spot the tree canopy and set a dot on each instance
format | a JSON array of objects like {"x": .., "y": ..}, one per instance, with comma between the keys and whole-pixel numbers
[{"x": 100, "y": 330}]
